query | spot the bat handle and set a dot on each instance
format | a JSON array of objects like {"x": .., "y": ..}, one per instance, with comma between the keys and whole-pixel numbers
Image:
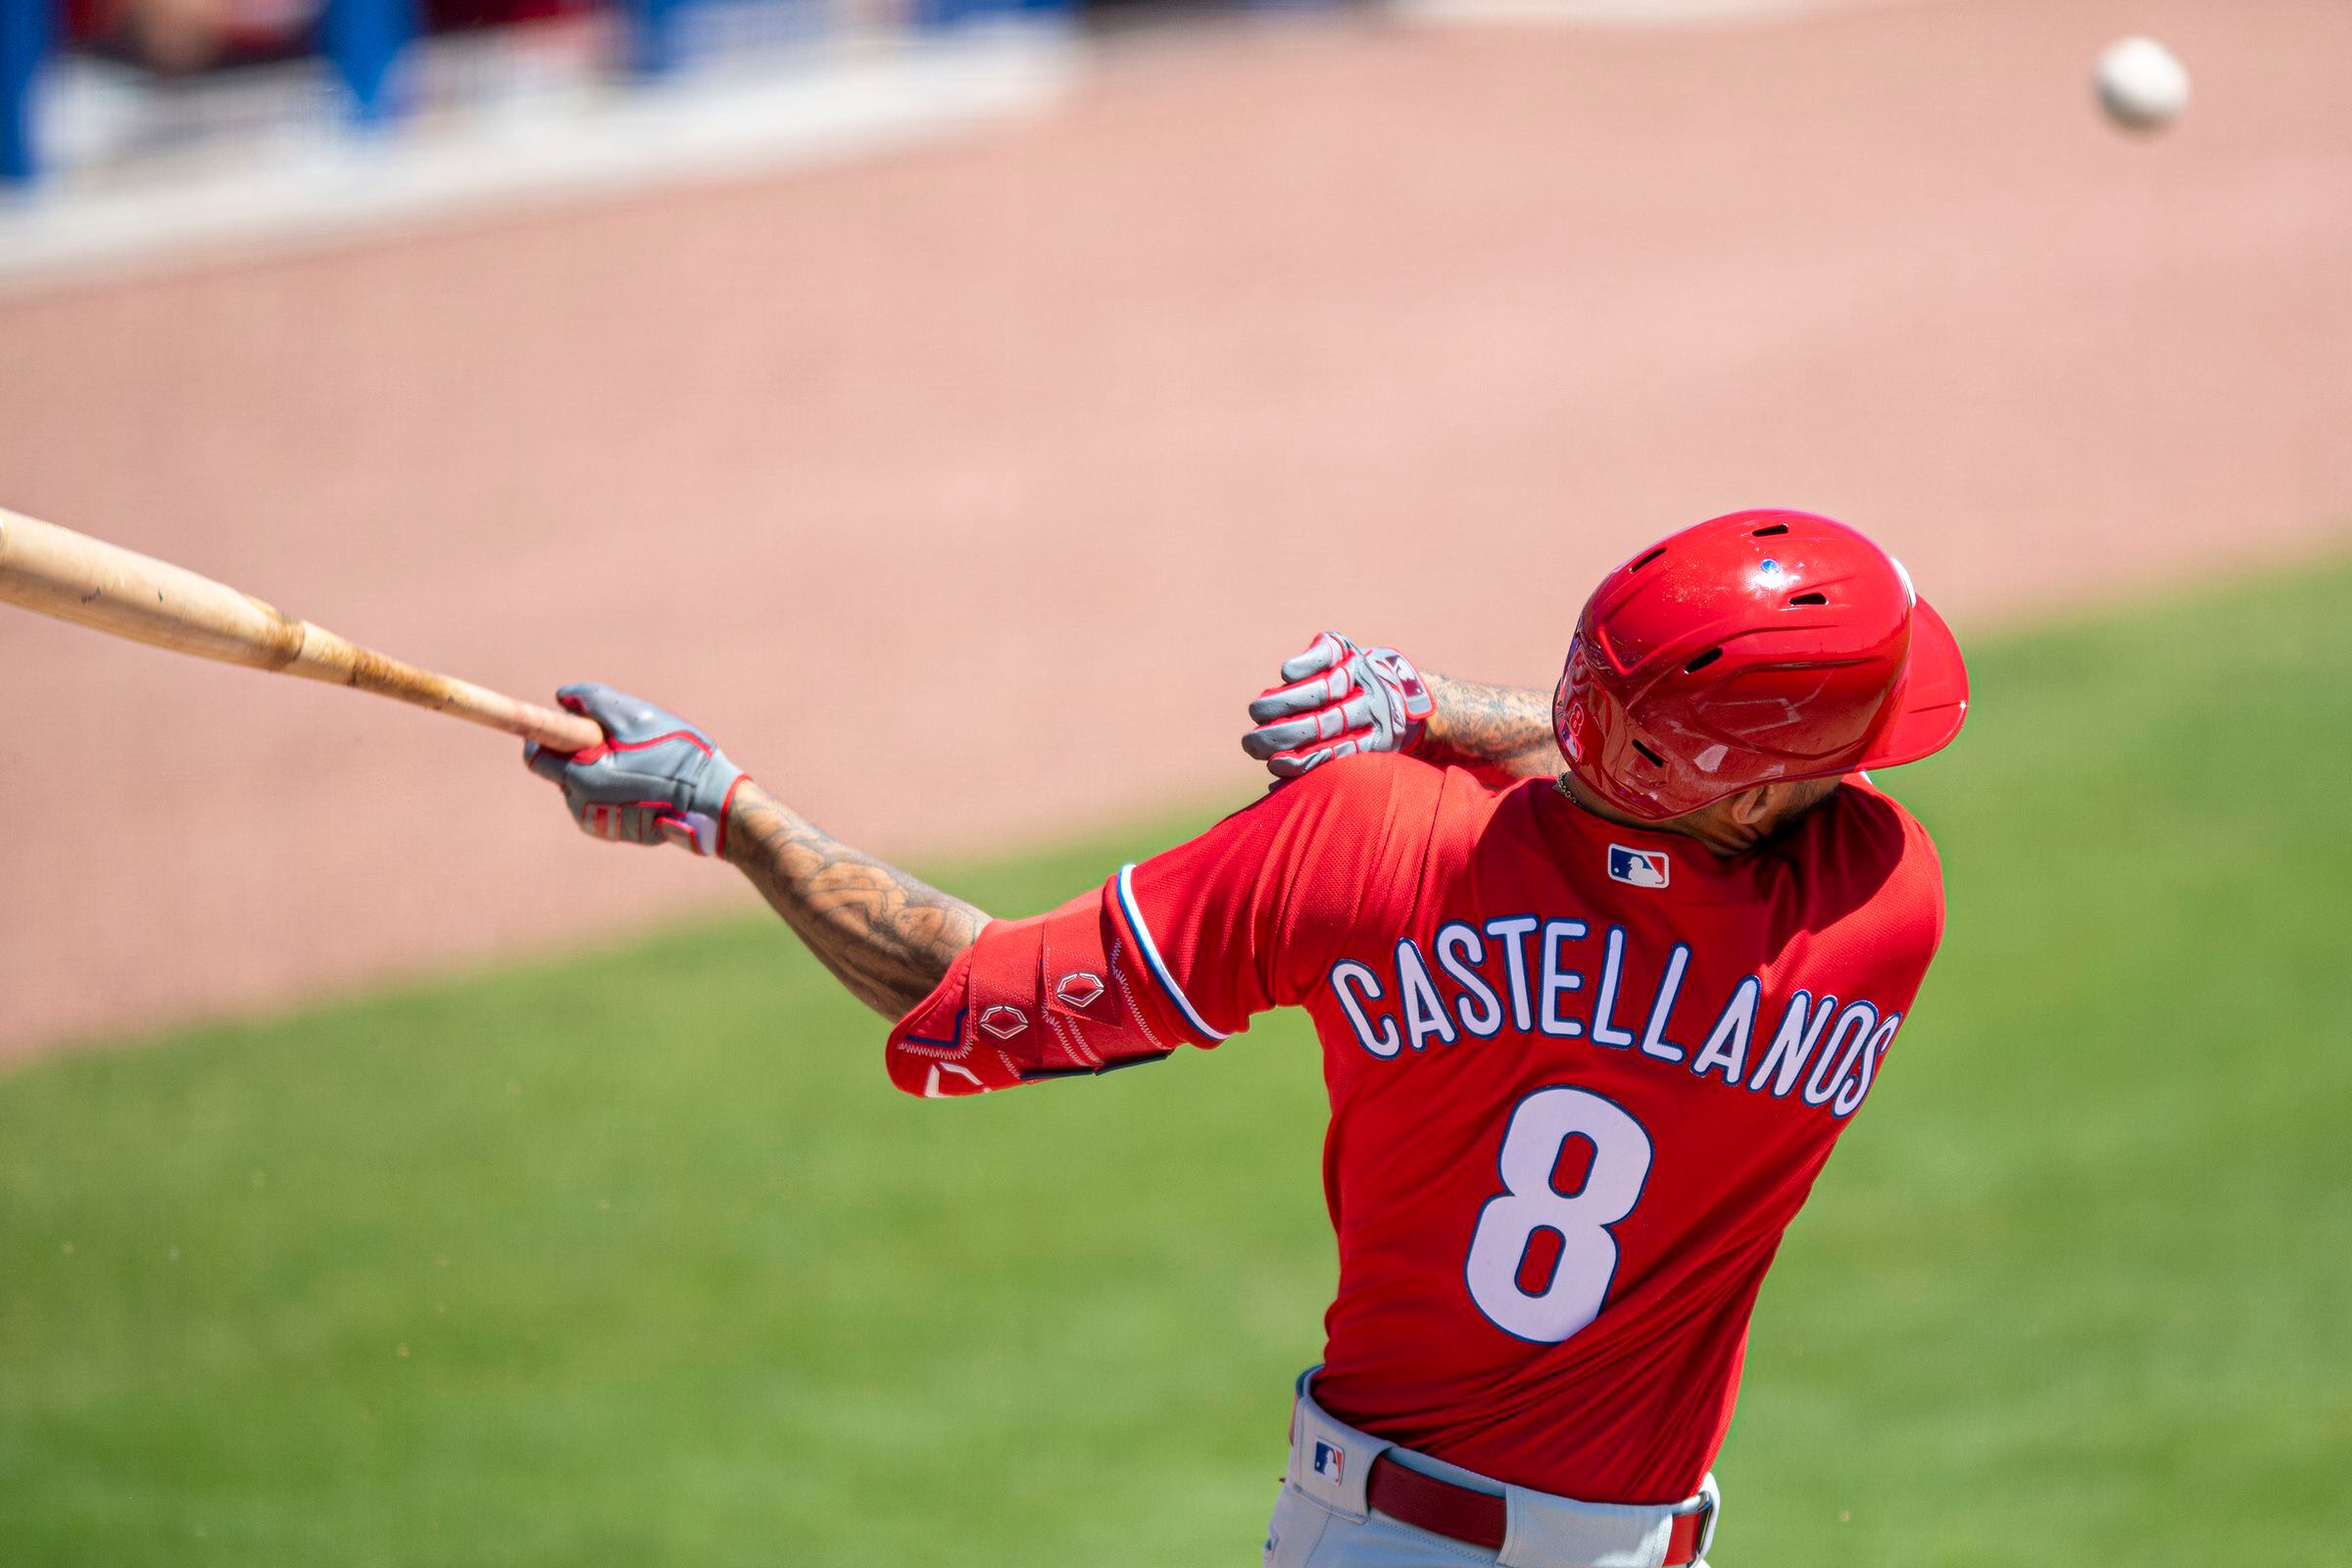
[
  {"x": 551, "y": 727},
  {"x": 337, "y": 660}
]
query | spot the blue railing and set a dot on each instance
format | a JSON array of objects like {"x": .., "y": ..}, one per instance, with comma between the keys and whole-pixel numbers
[{"x": 25, "y": 27}]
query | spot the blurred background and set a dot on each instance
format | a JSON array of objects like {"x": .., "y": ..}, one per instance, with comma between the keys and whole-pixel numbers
[{"x": 959, "y": 409}]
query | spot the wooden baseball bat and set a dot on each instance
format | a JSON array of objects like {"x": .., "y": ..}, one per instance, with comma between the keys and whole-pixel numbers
[{"x": 92, "y": 583}]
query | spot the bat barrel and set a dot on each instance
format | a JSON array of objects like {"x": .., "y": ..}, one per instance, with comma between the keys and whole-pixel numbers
[
  {"x": 89, "y": 582},
  {"x": 74, "y": 577}
]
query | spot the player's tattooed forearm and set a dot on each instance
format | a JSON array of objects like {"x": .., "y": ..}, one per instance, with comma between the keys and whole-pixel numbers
[
  {"x": 1499, "y": 727},
  {"x": 887, "y": 936}
]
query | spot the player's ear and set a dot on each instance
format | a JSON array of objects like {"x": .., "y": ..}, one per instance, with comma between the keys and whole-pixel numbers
[{"x": 1750, "y": 806}]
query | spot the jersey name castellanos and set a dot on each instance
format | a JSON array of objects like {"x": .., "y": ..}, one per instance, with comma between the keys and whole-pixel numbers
[
  {"x": 1581, "y": 1077},
  {"x": 1544, "y": 984}
]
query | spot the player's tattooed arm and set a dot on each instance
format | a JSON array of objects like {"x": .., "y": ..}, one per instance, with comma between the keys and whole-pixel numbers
[
  {"x": 887, "y": 936},
  {"x": 657, "y": 779},
  {"x": 1500, "y": 729}
]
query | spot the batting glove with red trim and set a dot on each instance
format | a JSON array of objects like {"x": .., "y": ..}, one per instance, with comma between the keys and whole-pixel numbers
[
  {"x": 655, "y": 779},
  {"x": 1336, "y": 700}
]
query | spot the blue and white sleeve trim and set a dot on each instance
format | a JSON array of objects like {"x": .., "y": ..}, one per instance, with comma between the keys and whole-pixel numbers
[{"x": 1151, "y": 951}]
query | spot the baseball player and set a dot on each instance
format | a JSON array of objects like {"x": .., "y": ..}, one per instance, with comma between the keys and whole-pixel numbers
[{"x": 1588, "y": 1035}]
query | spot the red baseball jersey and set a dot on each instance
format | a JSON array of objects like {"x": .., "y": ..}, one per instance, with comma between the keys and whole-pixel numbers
[{"x": 1582, "y": 1076}]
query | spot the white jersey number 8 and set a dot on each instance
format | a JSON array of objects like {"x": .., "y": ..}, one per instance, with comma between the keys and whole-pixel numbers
[{"x": 1540, "y": 1126}]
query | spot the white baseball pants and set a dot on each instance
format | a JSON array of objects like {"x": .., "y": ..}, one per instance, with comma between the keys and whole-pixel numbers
[{"x": 1321, "y": 1520}]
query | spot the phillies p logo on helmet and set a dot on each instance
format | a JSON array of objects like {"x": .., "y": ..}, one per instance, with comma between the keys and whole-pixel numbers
[{"x": 1571, "y": 739}]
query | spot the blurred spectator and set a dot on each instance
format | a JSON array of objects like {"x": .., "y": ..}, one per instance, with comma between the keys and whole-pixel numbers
[
  {"x": 177, "y": 37},
  {"x": 461, "y": 15}
]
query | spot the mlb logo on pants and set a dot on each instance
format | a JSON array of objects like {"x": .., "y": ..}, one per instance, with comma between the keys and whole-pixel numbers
[
  {"x": 1643, "y": 868},
  {"x": 1330, "y": 1461}
]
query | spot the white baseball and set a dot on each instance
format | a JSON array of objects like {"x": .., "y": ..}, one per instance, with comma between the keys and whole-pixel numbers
[{"x": 2143, "y": 84}]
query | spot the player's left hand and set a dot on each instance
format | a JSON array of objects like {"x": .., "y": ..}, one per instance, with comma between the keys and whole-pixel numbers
[
  {"x": 655, "y": 779},
  {"x": 1334, "y": 701}
]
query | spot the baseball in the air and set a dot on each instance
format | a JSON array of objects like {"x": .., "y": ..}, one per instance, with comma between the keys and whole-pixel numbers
[{"x": 2143, "y": 84}]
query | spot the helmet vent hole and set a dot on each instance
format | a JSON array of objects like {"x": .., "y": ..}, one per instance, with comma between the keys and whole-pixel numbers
[
  {"x": 1702, "y": 660},
  {"x": 1810, "y": 599},
  {"x": 1646, "y": 559},
  {"x": 1655, "y": 761},
  {"x": 1768, "y": 530}
]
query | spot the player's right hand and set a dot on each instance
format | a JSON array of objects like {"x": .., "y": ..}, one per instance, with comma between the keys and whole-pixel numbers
[
  {"x": 655, "y": 779},
  {"x": 1336, "y": 700}
]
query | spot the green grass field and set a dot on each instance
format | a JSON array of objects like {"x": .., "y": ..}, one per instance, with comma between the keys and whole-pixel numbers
[{"x": 461, "y": 1276}]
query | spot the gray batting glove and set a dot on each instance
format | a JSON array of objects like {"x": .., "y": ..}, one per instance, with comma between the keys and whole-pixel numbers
[
  {"x": 655, "y": 779},
  {"x": 1336, "y": 700}
]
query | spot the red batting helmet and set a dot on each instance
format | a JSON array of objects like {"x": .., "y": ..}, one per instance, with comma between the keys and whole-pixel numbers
[{"x": 1757, "y": 646}]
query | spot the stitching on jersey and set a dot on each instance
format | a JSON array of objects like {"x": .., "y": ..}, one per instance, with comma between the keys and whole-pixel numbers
[
  {"x": 955, "y": 1047},
  {"x": 1053, "y": 1027},
  {"x": 1128, "y": 996},
  {"x": 1077, "y": 1040}
]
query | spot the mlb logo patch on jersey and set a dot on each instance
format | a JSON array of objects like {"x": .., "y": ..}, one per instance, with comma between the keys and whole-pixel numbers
[
  {"x": 1331, "y": 1460},
  {"x": 1642, "y": 868}
]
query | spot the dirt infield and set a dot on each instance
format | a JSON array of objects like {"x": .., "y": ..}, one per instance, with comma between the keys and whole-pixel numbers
[{"x": 964, "y": 494}]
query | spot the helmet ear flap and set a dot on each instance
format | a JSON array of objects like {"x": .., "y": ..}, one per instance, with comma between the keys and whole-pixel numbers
[
  {"x": 1605, "y": 753},
  {"x": 1754, "y": 646},
  {"x": 1571, "y": 725}
]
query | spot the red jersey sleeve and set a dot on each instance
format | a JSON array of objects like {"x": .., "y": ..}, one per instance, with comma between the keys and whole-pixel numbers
[
  {"x": 1183, "y": 948},
  {"x": 1033, "y": 999}
]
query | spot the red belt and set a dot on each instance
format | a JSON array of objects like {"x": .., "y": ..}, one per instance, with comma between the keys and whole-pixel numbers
[{"x": 1481, "y": 1518}]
